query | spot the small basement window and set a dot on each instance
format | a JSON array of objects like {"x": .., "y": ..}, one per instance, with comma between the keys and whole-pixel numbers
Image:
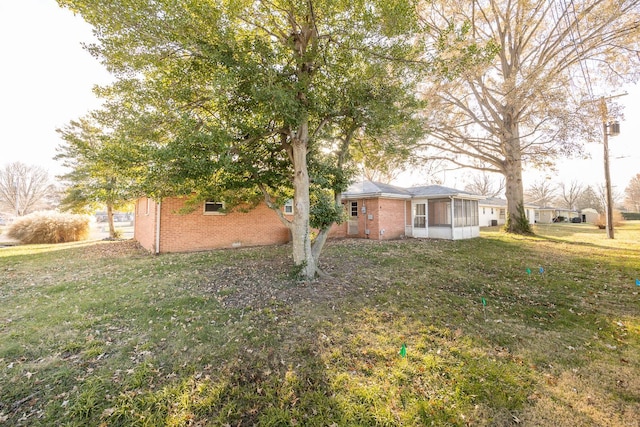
[{"x": 213, "y": 208}]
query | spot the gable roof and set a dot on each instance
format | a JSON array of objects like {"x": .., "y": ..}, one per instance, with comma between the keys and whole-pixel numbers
[
  {"x": 375, "y": 189},
  {"x": 378, "y": 189}
]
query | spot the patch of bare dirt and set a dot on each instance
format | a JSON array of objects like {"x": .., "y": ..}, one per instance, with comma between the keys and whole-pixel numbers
[
  {"x": 259, "y": 282},
  {"x": 113, "y": 249}
]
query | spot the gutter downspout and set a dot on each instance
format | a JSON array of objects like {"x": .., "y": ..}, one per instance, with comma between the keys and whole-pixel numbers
[{"x": 158, "y": 228}]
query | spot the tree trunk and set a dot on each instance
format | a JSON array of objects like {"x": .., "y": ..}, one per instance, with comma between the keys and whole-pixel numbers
[
  {"x": 300, "y": 229},
  {"x": 517, "y": 221},
  {"x": 112, "y": 228},
  {"x": 318, "y": 243}
]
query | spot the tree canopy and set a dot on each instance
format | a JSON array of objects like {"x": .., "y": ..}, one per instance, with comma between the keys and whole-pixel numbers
[
  {"x": 632, "y": 194},
  {"x": 531, "y": 105},
  {"x": 100, "y": 165},
  {"x": 250, "y": 100},
  {"x": 24, "y": 189}
]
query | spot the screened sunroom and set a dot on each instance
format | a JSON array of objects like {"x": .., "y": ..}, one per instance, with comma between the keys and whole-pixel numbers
[{"x": 443, "y": 213}]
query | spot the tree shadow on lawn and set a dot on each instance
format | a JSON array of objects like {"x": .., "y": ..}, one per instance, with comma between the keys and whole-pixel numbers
[
  {"x": 579, "y": 235},
  {"x": 326, "y": 352}
]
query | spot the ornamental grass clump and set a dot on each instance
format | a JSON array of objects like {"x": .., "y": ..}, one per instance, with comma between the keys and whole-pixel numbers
[{"x": 49, "y": 227}]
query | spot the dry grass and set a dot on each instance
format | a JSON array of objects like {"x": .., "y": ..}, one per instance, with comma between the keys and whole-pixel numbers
[
  {"x": 49, "y": 227},
  {"x": 106, "y": 334}
]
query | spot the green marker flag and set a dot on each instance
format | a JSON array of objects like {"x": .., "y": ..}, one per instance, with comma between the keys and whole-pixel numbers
[
  {"x": 529, "y": 271},
  {"x": 484, "y": 302},
  {"x": 403, "y": 351}
]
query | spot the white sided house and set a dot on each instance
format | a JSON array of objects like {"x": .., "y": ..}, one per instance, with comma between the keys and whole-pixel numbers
[
  {"x": 380, "y": 211},
  {"x": 550, "y": 214},
  {"x": 493, "y": 212}
]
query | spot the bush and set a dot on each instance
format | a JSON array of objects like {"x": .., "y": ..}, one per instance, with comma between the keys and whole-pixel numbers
[
  {"x": 49, "y": 227},
  {"x": 601, "y": 222},
  {"x": 631, "y": 216}
]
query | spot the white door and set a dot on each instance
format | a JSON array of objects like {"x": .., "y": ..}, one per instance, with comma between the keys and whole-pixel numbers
[{"x": 419, "y": 218}]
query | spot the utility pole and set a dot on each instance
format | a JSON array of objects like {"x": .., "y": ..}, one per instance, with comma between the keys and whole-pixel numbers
[{"x": 608, "y": 129}]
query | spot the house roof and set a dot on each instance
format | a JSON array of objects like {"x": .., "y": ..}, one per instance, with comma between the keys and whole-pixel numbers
[
  {"x": 375, "y": 189},
  {"x": 551, "y": 208},
  {"x": 440, "y": 191},
  {"x": 378, "y": 189}
]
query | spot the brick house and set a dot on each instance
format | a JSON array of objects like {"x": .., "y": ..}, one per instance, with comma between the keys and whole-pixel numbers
[
  {"x": 382, "y": 211},
  {"x": 374, "y": 211},
  {"x": 159, "y": 227}
]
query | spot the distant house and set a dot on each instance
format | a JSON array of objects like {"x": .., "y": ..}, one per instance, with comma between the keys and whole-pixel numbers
[
  {"x": 589, "y": 215},
  {"x": 374, "y": 211},
  {"x": 493, "y": 212},
  {"x": 548, "y": 215}
]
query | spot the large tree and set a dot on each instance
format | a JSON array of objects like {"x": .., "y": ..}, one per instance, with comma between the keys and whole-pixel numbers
[
  {"x": 632, "y": 194},
  {"x": 485, "y": 184},
  {"x": 589, "y": 199},
  {"x": 24, "y": 189},
  {"x": 530, "y": 106},
  {"x": 541, "y": 193},
  {"x": 248, "y": 99},
  {"x": 97, "y": 160},
  {"x": 570, "y": 193}
]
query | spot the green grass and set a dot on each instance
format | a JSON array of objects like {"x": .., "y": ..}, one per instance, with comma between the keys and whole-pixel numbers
[{"x": 101, "y": 333}]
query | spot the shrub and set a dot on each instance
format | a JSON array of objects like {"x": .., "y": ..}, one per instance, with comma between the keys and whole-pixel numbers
[
  {"x": 601, "y": 222},
  {"x": 631, "y": 216},
  {"x": 49, "y": 227}
]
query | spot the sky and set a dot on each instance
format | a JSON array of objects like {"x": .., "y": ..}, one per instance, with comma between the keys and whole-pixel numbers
[{"x": 46, "y": 80}]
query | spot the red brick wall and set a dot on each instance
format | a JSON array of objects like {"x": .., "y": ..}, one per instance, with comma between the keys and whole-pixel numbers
[
  {"x": 339, "y": 231},
  {"x": 196, "y": 231},
  {"x": 145, "y": 223},
  {"x": 388, "y": 214},
  {"x": 391, "y": 218}
]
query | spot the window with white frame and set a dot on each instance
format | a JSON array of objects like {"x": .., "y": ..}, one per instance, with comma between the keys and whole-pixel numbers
[
  {"x": 212, "y": 207},
  {"x": 439, "y": 212},
  {"x": 354, "y": 209},
  {"x": 502, "y": 213},
  {"x": 288, "y": 207}
]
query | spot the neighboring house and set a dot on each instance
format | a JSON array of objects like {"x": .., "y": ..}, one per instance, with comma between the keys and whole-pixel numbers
[
  {"x": 493, "y": 212},
  {"x": 375, "y": 211},
  {"x": 589, "y": 215},
  {"x": 547, "y": 215},
  {"x": 382, "y": 211}
]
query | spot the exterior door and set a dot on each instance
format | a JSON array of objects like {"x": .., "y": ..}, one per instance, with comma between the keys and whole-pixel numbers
[
  {"x": 352, "y": 222},
  {"x": 420, "y": 220}
]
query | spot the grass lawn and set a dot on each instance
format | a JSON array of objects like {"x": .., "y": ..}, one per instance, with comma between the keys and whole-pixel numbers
[{"x": 102, "y": 333}]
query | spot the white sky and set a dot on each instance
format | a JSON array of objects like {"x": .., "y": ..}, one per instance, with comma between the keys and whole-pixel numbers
[{"x": 46, "y": 79}]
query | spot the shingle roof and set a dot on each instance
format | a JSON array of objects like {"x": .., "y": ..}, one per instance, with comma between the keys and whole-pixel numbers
[
  {"x": 378, "y": 189},
  {"x": 439, "y": 190},
  {"x": 371, "y": 188}
]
